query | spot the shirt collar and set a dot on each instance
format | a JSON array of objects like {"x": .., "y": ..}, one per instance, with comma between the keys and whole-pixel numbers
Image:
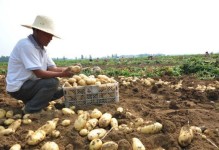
[{"x": 30, "y": 37}]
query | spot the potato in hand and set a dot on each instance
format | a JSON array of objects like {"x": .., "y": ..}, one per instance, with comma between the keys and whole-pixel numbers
[{"x": 74, "y": 69}]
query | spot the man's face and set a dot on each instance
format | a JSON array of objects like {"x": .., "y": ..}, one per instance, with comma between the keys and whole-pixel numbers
[{"x": 44, "y": 38}]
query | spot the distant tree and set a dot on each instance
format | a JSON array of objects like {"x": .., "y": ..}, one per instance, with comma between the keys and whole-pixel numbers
[
  {"x": 4, "y": 58},
  {"x": 90, "y": 58},
  {"x": 64, "y": 58}
]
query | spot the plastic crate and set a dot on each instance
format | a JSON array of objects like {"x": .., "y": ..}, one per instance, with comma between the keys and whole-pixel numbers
[{"x": 92, "y": 94}]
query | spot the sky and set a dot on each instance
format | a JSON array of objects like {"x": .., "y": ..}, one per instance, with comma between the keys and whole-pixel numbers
[{"x": 108, "y": 27}]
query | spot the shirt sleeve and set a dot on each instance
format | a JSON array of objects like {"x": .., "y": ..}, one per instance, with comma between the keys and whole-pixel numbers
[{"x": 50, "y": 62}]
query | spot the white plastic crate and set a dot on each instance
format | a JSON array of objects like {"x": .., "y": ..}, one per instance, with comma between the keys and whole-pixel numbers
[{"x": 92, "y": 94}]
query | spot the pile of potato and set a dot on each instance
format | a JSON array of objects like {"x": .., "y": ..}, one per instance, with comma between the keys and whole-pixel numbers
[
  {"x": 93, "y": 125},
  {"x": 83, "y": 80},
  {"x": 128, "y": 81}
]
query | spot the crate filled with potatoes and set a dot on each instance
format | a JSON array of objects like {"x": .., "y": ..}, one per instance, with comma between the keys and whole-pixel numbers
[{"x": 88, "y": 90}]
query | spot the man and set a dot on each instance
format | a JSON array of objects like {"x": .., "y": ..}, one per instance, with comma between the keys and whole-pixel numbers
[{"x": 31, "y": 75}]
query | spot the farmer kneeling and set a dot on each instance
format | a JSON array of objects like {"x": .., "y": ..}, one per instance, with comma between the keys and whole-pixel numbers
[{"x": 31, "y": 75}]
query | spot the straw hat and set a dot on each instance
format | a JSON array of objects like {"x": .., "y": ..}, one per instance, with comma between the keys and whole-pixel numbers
[{"x": 43, "y": 23}]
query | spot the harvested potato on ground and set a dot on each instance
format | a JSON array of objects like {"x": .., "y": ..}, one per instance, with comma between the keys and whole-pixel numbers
[
  {"x": 26, "y": 121},
  {"x": 2, "y": 128},
  {"x": 125, "y": 128},
  {"x": 40, "y": 134},
  {"x": 36, "y": 137},
  {"x": 91, "y": 124},
  {"x": 185, "y": 136},
  {"x": 84, "y": 132},
  {"x": 8, "y": 121},
  {"x": 151, "y": 128},
  {"x": 95, "y": 144},
  {"x": 12, "y": 128},
  {"x": 96, "y": 113},
  {"x": 138, "y": 122},
  {"x": 114, "y": 123},
  {"x": 96, "y": 133},
  {"x": 196, "y": 129},
  {"x": 104, "y": 120},
  {"x": 68, "y": 111},
  {"x": 120, "y": 109},
  {"x": 9, "y": 114},
  {"x": 66, "y": 122},
  {"x": 110, "y": 145},
  {"x": 137, "y": 144},
  {"x": 15, "y": 147},
  {"x": 55, "y": 133},
  {"x": 50, "y": 125},
  {"x": 80, "y": 122},
  {"x": 50, "y": 146},
  {"x": 2, "y": 113}
]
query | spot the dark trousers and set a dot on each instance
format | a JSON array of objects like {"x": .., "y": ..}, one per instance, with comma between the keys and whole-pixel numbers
[{"x": 36, "y": 94}]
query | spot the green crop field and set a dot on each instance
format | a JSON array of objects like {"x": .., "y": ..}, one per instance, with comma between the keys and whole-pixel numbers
[{"x": 197, "y": 65}]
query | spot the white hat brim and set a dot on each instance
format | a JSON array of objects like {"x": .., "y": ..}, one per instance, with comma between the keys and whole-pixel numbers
[{"x": 31, "y": 27}]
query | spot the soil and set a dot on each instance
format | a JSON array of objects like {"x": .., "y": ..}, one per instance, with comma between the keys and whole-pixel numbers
[{"x": 160, "y": 103}]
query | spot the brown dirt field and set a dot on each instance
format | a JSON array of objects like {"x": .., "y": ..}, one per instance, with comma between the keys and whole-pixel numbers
[{"x": 172, "y": 108}]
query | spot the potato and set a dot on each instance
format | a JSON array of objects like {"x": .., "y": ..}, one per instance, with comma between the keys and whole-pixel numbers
[
  {"x": 185, "y": 136},
  {"x": 26, "y": 116},
  {"x": 82, "y": 82},
  {"x": 6, "y": 131},
  {"x": 137, "y": 144},
  {"x": 74, "y": 69},
  {"x": 17, "y": 116},
  {"x": 125, "y": 128},
  {"x": 114, "y": 123},
  {"x": 91, "y": 124},
  {"x": 151, "y": 128},
  {"x": 2, "y": 113},
  {"x": 72, "y": 80},
  {"x": 36, "y": 137},
  {"x": 90, "y": 81},
  {"x": 104, "y": 120},
  {"x": 95, "y": 144},
  {"x": 50, "y": 146},
  {"x": 55, "y": 133},
  {"x": 80, "y": 122},
  {"x": 66, "y": 122},
  {"x": 15, "y": 147},
  {"x": 49, "y": 126},
  {"x": 11, "y": 129},
  {"x": 40, "y": 134},
  {"x": 77, "y": 77},
  {"x": 15, "y": 125},
  {"x": 66, "y": 84},
  {"x": 26, "y": 121},
  {"x": 68, "y": 111},
  {"x": 120, "y": 109},
  {"x": 196, "y": 129},
  {"x": 98, "y": 83},
  {"x": 30, "y": 132},
  {"x": 110, "y": 145},
  {"x": 84, "y": 132},
  {"x": 96, "y": 113},
  {"x": 138, "y": 122},
  {"x": 9, "y": 114},
  {"x": 96, "y": 133},
  {"x": 8, "y": 121},
  {"x": 2, "y": 128},
  {"x": 83, "y": 76}
]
